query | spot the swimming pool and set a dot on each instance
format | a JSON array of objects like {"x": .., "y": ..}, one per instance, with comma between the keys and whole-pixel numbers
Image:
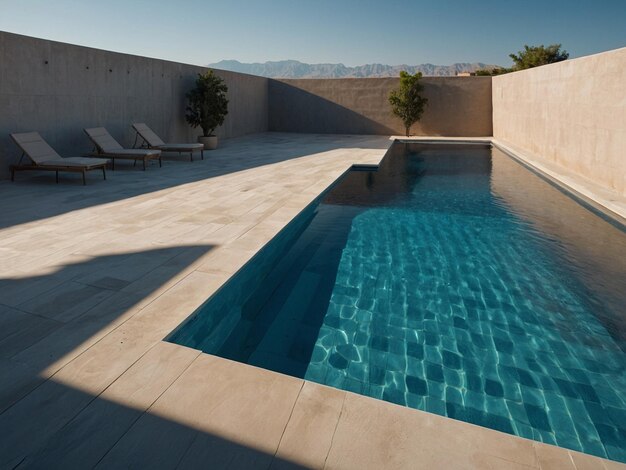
[{"x": 452, "y": 280}]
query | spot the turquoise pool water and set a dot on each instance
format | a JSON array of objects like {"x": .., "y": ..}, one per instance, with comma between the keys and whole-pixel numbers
[{"x": 453, "y": 280}]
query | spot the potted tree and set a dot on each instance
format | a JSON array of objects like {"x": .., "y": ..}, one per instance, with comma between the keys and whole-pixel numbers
[
  {"x": 406, "y": 101},
  {"x": 207, "y": 107}
]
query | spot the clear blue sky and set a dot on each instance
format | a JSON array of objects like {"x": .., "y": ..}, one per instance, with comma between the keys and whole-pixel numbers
[{"x": 352, "y": 32}]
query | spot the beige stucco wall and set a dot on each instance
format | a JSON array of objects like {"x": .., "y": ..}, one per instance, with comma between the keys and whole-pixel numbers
[
  {"x": 58, "y": 89},
  {"x": 572, "y": 114},
  {"x": 457, "y": 106}
]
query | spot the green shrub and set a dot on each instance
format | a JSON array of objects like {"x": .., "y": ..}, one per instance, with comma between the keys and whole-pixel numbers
[
  {"x": 208, "y": 105},
  {"x": 406, "y": 101}
]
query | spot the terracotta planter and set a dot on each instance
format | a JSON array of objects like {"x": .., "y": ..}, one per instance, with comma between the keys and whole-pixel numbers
[{"x": 210, "y": 143}]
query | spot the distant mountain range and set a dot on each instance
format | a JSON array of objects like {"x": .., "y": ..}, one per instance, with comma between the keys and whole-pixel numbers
[{"x": 295, "y": 69}]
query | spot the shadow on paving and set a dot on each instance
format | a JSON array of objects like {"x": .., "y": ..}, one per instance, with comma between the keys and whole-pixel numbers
[
  {"x": 35, "y": 196},
  {"x": 44, "y": 318},
  {"x": 102, "y": 433},
  {"x": 47, "y": 424}
]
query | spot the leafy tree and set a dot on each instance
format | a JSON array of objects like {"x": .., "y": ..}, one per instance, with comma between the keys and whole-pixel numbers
[
  {"x": 534, "y": 56},
  {"x": 208, "y": 105},
  {"x": 493, "y": 71},
  {"x": 406, "y": 101},
  {"x": 531, "y": 56}
]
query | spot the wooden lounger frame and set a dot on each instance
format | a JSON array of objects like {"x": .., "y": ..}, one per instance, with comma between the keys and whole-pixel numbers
[
  {"x": 165, "y": 148},
  {"x": 56, "y": 168},
  {"x": 97, "y": 153}
]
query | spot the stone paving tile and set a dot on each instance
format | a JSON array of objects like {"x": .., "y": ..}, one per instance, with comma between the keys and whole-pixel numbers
[
  {"x": 67, "y": 301},
  {"x": 239, "y": 415},
  {"x": 591, "y": 462},
  {"x": 489, "y": 462},
  {"x": 160, "y": 317},
  {"x": 54, "y": 403},
  {"x": 18, "y": 330},
  {"x": 16, "y": 381},
  {"x": 161, "y": 279},
  {"x": 550, "y": 457},
  {"x": 377, "y": 434},
  {"x": 309, "y": 433},
  {"x": 67, "y": 342},
  {"x": 14, "y": 290},
  {"x": 106, "y": 419},
  {"x": 35, "y": 417}
]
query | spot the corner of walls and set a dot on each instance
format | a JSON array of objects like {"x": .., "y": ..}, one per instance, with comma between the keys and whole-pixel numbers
[{"x": 457, "y": 107}]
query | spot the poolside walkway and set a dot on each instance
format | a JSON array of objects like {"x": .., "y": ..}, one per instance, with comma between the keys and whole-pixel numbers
[{"x": 93, "y": 278}]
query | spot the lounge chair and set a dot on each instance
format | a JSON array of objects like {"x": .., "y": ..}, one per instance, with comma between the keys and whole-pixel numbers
[
  {"x": 151, "y": 140},
  {"x": 107, "y": 146},
  {"x": 43, "y": 157}
]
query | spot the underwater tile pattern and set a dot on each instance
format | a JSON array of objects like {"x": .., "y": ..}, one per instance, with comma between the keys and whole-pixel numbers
[{"x": 421, "y": 286}]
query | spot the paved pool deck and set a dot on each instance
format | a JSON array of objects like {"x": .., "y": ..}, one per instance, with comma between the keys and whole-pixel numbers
[{"x": 94, "y": 277}]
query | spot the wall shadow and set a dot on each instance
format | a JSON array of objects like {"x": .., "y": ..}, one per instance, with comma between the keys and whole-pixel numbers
[
  {"x": 35, "y": 196},
  {"x": 457, "y": 106},
  {"x": 44, "y": 318},
  {"x": 292, "y": 109}
]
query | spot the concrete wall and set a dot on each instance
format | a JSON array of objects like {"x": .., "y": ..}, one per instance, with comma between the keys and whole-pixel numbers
[
  {"x": 58, "y": 89},
  {"x": 572, "y": 114},
  {"x": 457, "y": 106}
]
